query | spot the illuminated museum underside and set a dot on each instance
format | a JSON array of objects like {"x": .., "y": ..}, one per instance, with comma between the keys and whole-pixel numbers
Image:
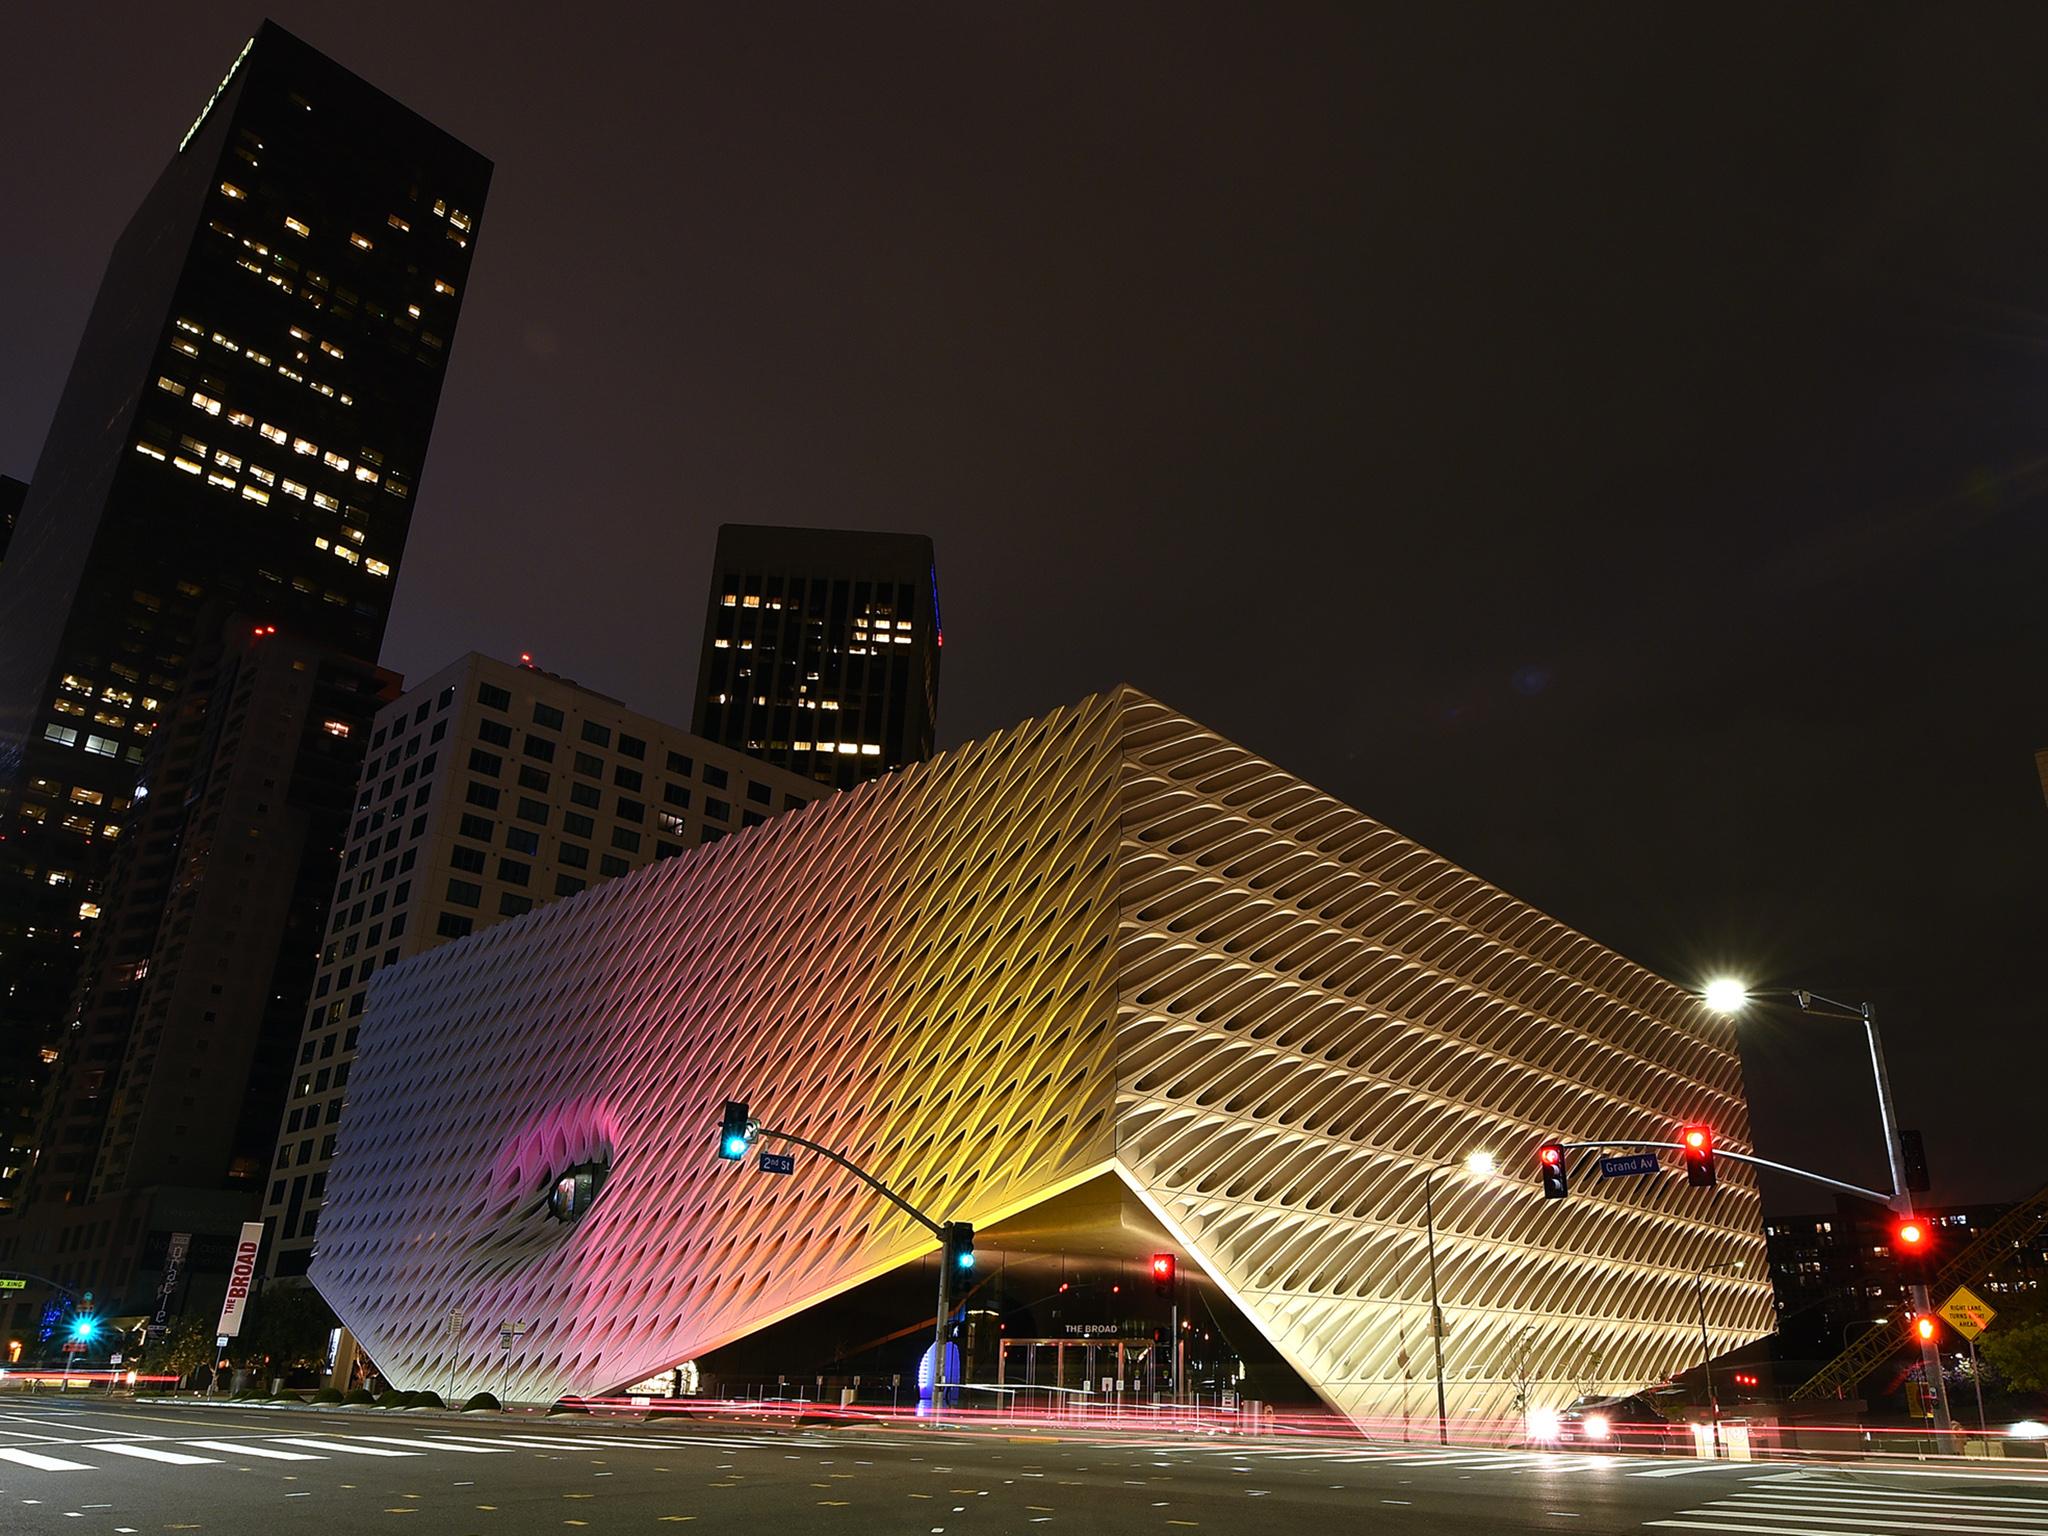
[{"x": 1102, "y": 950}]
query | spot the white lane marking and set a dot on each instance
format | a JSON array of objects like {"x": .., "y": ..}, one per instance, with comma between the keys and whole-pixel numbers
[
  {"x": 40, "y": 1463},
  {"x": 1692, "y": 1467},
  {"x": 151, "y": 1453},
  {"x": 1863, "y": 1522},
  {"x": 1758, "y": 1530},
  {"x": 344, "y": 1450},
  {"x": 439, "y": 1445},
  {"x": 232, "y": 1449}
]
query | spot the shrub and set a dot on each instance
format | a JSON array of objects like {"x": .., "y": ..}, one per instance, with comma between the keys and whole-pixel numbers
[
  {"x": 327, "y": 1395},
  {"x": 359, "y": 1396},
  {"x": 568, "y": 1405},
  {"x": 428, "y": 1399},
  {"x": 480, "y": 1401}
]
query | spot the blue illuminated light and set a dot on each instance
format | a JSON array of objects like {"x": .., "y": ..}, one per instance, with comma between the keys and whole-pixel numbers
[
  {"x": 735, "y": 1146},
  {"x": 965, "y": 1259}
]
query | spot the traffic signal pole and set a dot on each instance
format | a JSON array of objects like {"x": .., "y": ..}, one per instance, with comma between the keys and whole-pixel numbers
[
  {"x": 1901, "y": 1200},
  {"x": 943, "y": 1231}
]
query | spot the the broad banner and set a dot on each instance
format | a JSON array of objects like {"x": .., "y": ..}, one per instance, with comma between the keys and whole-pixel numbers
[{"x": 240, "y": 1274}]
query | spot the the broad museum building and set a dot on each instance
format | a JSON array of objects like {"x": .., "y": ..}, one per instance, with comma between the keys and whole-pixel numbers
[{"x": 1105, "y": 985}]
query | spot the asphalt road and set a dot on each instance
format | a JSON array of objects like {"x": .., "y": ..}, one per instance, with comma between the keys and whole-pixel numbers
[{"x": 74, "y": 1467}]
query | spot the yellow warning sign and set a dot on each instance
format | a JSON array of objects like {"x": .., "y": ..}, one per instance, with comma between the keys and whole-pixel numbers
[{"x": 1967, "y": 1312}]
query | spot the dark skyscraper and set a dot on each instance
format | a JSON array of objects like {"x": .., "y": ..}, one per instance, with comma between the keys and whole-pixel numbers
[
  {"x": 243, "y": 431},
  {"x": 821, "y": 650},
  {"x": 12, "y": 494}
]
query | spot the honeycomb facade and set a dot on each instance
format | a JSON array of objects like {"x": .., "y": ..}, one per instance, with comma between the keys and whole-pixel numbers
[{"x": 1106, "y": 941}]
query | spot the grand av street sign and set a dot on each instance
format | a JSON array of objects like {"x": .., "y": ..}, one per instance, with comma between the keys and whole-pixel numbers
[
  {"x": 1967, "y": 1312},
  {"x": 1628, "y": 1165}
]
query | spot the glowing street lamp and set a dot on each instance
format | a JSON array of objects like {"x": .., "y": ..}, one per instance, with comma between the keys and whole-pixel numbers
[{"x": 1724, "y": 994}]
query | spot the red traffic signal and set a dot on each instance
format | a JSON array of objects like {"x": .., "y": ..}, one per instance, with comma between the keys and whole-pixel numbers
[
  {"x": 1162, "y": 1273},
  {"x": 1550, "y": 1158},
  {"x": 1913, "y": 1247},
  {"x": 1696, "y": 1145},
  {"x": 1925, "y": 1328}
]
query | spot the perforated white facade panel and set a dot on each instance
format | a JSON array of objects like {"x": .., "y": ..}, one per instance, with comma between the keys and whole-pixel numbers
[{"x": 1103, "y": 941}]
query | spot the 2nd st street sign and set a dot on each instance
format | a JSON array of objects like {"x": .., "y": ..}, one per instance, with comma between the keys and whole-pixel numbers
[{"x": 777, "y": 1162}]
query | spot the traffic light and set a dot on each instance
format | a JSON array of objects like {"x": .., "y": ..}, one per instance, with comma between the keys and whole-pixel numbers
[
  {"x": 85, "y": 1328},
  {"x": 959, "y": 1243},
  {"x": 1913, "y": 1247},
  {"x": 1913, "y": 1153},
  {"x": 1162, "y": 1273},
  {"x": 1550, "y": 1158},
  {"x": 1925, "y": 1328},
  {"x": 1696, "y": 1144},
  {"x": 735, "y": 1132}
]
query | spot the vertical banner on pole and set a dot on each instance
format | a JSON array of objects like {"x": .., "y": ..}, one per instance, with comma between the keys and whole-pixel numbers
[
  {"x": 167, "y": 1289},
  {"x": 240, "y": 1275}
]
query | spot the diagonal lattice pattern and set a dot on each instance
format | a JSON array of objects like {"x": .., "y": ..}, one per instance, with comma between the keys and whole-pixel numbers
[{"x": 1104, "y": 940}]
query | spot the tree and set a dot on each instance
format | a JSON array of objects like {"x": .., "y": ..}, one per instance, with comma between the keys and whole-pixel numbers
[
  {"x": 2019, "y": 1354},
  {"x": 289, "y": 1324},
  {"x": 184, "y": 1347}
]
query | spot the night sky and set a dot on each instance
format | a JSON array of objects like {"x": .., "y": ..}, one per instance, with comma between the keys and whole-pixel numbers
[{"x": 1608, "y": 449}]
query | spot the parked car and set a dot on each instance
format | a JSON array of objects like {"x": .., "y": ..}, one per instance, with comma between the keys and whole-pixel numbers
[{"x": 1630, "y": 1423}]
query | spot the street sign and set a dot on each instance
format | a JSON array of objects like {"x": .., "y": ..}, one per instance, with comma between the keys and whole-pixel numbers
[
  {"x": 1967, "y": 1312},
  {"x": 778, "y": 1162},
  {"x": 1627, "y": 1167},
  {"x": 12, "y": 1283}
]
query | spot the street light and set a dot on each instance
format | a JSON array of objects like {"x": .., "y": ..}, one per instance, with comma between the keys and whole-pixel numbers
[
  {"x": 1727, "y": 995},
  {"x": 1482, "y": 1165}
]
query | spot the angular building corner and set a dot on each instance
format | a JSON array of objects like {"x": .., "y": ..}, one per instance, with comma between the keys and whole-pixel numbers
[{"x": 1103, "y": 943}]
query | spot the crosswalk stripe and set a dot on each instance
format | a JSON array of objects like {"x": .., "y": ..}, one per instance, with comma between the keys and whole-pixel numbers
[
  {"x": 232, "y": 1449},
  {"x": 344, "y": 1450},
  {"x": 1937, "y": 1514},
  {"x": 566, "y": 1445},
  {"x": 1866, "y": 1521},
  {"x": 151, "y": 1453},
  {"x": 1773, "y": 1489},
  {"x": 441, "y": 1445},
  {"x": 2006, "y": 1509},
  {"x": 1741, "y": 1530},
  {"x": 1689, "y": 1469},
  {"x": 41, "y": 1463}
]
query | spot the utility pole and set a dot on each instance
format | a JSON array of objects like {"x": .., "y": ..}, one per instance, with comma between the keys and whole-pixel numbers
[{"x": 1436, "y": 1311}]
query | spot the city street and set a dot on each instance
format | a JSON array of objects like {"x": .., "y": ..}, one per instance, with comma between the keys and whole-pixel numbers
[{"x": 128, "y": 1469}]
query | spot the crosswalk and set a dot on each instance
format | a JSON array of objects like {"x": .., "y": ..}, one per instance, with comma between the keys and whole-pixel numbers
[
  {"x": 1803, "y": 1504},
  {"x": 54, "y": 1455}
]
